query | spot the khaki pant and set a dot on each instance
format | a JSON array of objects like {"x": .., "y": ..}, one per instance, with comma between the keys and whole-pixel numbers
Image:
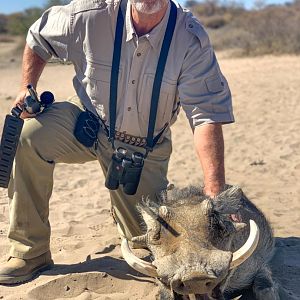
[{"x": 48, "y": 139}]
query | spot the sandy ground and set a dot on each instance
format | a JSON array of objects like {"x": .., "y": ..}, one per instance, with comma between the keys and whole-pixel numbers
[{"x": 262, "y": 156}]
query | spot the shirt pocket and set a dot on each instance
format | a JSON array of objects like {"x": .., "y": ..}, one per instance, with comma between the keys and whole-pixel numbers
[
  {"x": 166, "y": 103},
  {"x": 214, "y": 84},
  {"x": 98, "y": 87}
]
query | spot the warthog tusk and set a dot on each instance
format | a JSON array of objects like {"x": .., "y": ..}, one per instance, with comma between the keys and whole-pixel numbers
[
  {"x": 148, "y": 269},
  {"x": 248, "y": 248},
  {"x": 136, "y": 263}
]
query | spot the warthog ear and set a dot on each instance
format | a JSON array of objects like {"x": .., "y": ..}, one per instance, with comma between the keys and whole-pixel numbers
[
  {"x": 150, "y": 212},
  {"x": 165, "y": 213},
  {"x": 229, "y": 201},
  {"x": 149, "y": 206}
]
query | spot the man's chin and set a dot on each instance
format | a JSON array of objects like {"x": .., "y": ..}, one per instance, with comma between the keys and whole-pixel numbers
[{"x": 147, "y": 7}]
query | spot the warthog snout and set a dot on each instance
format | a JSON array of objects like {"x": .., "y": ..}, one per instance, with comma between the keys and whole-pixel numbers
[
  {"x": 198, "y": 275},
  {"x": 194, "y": 282}
]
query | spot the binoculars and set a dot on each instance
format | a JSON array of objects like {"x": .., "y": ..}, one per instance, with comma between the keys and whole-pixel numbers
[{"x": 125, "y": 170}]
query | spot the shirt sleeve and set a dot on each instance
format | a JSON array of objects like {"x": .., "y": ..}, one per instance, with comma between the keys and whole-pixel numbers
[
  {"x": 51, "y": 35},
  {"x": 204, "y": 93}
]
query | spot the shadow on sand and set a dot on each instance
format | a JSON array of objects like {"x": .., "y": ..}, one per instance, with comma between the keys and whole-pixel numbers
[
  {"x": 285, "y": 266},
  {"x": 102, "y": 276},
  {"x": 114, "y": 267},
  {"x": 109, "y": 274}
]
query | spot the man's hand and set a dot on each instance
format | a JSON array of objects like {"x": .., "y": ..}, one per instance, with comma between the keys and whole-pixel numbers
[
  {"x": 209, "y": 145},
  {"x": 20, "y": 102},
  {"x": 32, "y": 68}
]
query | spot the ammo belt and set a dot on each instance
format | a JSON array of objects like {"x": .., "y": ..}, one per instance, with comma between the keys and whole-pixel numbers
[
  {"x": 127, "y": 138},
  {"x": 130, "y": 139}
]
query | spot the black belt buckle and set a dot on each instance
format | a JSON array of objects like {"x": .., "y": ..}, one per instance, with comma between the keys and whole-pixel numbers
[{"x": 9, "y": 143}]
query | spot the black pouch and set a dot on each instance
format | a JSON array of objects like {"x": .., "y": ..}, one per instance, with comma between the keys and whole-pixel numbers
[{"x": 86, "y": 128}]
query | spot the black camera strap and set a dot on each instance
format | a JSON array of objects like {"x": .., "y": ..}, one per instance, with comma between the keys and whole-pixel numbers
[
  {"x": 151, "y": 142},
  {"x": 114, "y": 78},
  {"x": 9, "y": 143}
]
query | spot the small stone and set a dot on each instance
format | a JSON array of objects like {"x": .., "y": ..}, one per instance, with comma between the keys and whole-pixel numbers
[
  {"x": 257, "y": 163},
  {"x": 170, "y": 187},
  {"x": 8, "y": 98},
  {"x": 12, "y": 60},
  {"x": 88, "y": 258},
  {"x": 66, "y": 288}
]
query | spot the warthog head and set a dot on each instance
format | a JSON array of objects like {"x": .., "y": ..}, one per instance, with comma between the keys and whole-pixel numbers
[{"x": 190, "y": 238}]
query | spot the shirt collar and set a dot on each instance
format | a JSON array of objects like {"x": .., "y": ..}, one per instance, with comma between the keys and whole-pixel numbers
[
  {"x": 156, "y": 35},
  {"x": 130, "y": 31}
]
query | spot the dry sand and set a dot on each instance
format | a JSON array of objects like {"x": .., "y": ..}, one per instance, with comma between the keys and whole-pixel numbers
[{"x": 262, "y": 156}]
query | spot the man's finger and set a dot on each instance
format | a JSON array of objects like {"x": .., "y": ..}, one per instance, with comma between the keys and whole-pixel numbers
[{"x": 26, "y": 115}]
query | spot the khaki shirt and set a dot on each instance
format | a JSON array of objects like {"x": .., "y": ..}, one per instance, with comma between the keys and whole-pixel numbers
[{"x": 83, "y": 33}]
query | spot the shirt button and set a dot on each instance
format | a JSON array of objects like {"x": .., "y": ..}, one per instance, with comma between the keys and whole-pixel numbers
[
  {"x": 133, "y": 81},
  {"x": 129, "y": 108},
  {"x": 139, "y": 54}
]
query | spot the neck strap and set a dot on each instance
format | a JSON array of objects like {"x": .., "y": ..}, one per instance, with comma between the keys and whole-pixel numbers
[
  {"x": 115, "y": 72},
  {"x": 151, "y": 142}
]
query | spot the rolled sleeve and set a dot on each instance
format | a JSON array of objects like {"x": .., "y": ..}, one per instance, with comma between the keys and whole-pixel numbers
[
  {"x": 51, "y": 34},
  {"x": 203, "y": 91}
]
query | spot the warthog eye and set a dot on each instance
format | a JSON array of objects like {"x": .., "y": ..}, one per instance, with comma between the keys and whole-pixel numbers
[
  {"x": 167, "y": 226},
  {"x": 219, "y": 227}
]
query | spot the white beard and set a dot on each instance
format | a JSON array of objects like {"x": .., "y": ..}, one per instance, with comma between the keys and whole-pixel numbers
[{"x": 148, "y": 6}]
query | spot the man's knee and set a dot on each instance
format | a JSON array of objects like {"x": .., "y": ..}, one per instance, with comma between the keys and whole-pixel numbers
[
  {"x": 32, "y": 136},
  {"x": 49, "y": 131}
]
